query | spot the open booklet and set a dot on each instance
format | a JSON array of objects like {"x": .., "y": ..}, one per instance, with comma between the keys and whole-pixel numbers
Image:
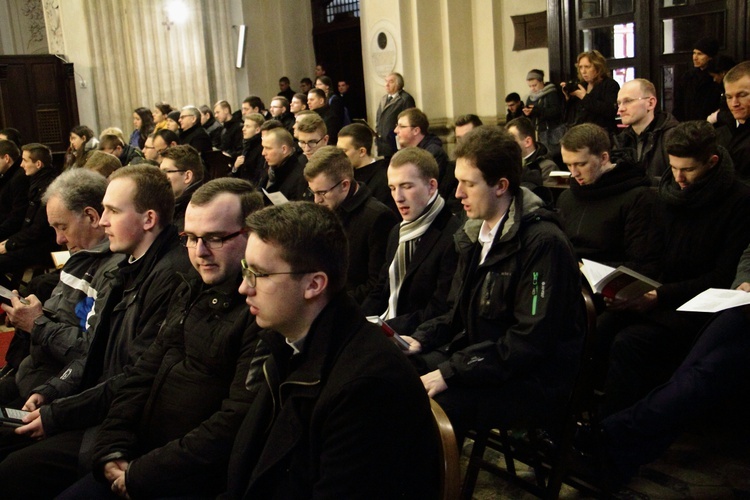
[
  {"x": 622, "y": 283},
  {"x": 715, "y": 300}
]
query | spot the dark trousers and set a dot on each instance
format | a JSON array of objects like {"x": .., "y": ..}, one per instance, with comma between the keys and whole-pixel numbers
[
  {"x": 644, "y": 351},
  {"x": 716, "y": 369},
  {"x": 43, "y": 469}
]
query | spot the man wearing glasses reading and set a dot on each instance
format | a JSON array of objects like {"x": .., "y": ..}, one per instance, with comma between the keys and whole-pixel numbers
[
  {"x": 366, "y": 221},
  {"x": 340, "y": 413}
]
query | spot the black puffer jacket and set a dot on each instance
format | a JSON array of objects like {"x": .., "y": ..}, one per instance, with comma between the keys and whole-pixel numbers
[
  {"x": 615, "y": 221},
  {"x": 138, "y": 306},
  {"x": 653, "y": 158},
  {"x": 176, "y": 416}
]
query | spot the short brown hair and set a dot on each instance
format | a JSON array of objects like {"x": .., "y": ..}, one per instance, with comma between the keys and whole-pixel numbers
[
  {"x": 312, "y": 123},
  {"x": 416, "y": 119},
  {"x": 152, "y": 191},
  {"x": 250, "y": 199},
  {"x": 102, "y": 163},
  {"x": 586, "y": 135},
  {"x": 360, "y": 135},
  {"x": 9, "y": 148},
  {"x": 737, "y": 72},
  {"x": 496, "y": 154},
  {"x": 420, "y": 158},
  {"x": 281, "y": 136},
  {"x": 39, "y": 152},
  {"x": 331, "y": 161},
  {"x": 186, "y": 157}
]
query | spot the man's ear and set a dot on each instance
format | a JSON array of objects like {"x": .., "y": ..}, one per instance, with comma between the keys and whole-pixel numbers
[
  {"x": 317, "y": 284},
  {"x": 501, "y": 187},
  {"x": 150, "y": 220},
  {"x": 188, "y": 177},
  {"x": 92, "y": 216}
]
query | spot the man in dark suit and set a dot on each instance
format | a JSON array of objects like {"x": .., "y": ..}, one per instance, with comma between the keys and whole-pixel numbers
[
  {"x": 366, "y": 221},
  {"x": 420, "y": 257},
  {"x": 392, "y": 103},
  {"x": 329, "y": 420},
  {"x": 192, "y": 131}
]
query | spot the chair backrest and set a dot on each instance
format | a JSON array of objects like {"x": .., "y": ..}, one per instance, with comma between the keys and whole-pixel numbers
[{"x": 450, "y": 470}]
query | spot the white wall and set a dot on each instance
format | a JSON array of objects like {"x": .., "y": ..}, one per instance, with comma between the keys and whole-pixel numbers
[{"x": 517, "y": 64}]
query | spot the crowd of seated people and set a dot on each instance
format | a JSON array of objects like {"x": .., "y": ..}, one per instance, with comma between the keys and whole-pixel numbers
[{"x": 208, "y": 336}]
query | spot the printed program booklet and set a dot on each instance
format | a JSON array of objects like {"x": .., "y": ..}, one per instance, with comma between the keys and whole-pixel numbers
[{"x": 622, "y": 283}]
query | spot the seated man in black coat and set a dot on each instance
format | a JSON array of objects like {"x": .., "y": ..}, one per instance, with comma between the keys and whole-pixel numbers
[
  {"x": 706, "y": 214},
  {"x": 192, "y": 133},
  {"x": 58, "y": 433},
  {"x": 341, "y": 414},
  {"x": 193, "y": 377},
  {"x": 14, "y": 189},
  {"x": 32, "y": 243},
  {"x": 737, "y": 92},
  {"x": 420, "y": 257},
  {"x": 610, "y": 213},
  {"x": 508, "y": 349},
  {"x": 250, "y": 164},
  {"x": 330, "y": 178},
  {"x": 284, "y": 171}
]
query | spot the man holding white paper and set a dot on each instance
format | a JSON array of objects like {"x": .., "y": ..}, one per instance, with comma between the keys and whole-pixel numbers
[{"x": 707, "y": 226}]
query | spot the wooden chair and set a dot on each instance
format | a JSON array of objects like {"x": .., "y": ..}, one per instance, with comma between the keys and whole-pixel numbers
[
  {"x": 450, "y": 471},
  {"x": 549, "y": 458}
]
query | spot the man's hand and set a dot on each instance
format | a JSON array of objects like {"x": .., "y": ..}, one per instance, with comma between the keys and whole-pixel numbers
[
  {"x": 33, "y": 428},
  {"x": 434, "y": 383},
  {"x": 642, "y": 304},
  {"x": 414, "y": 346},
  {"x": 21, "y": 315},
  {"x": 528, "y": 109},
  {"x": 745, "y": 287},
  {"x": 34, "y": 402},
  {"x": 2, "y": 247},
  {"x": 239, "y": 162},
  {"x": 114, "y": 472}
]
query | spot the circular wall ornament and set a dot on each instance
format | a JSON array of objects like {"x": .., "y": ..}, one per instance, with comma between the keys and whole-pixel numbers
[{"x": 383, "y": 49}]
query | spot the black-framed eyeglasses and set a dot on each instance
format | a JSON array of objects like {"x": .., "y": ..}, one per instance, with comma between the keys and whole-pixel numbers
[
  {"x": 191, "y": 241},
  {"x": 173, "y": 171},
  {"x": 627, "y": 102},
  {"x": 251, "y": 276},
  {"x": 398, "y": 125},
  {"x": 323, "y": 194},
  {"x": 309, "y": 144}
]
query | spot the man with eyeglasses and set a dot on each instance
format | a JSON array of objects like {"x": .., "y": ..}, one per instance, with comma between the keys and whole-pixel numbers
[
  {"x": 647, "y": 127},
  {"x": 67, "y": 409},
  {"x": 149, "y": 151},
  {"x": 340, "y": 413},
  {"x": 192, "y": 132},
  {"x": 184, "y": 169},
  {"x": 280, "y": 111},
  {"x": 366, "y": 221},
  {"x": 412, "y": 131},
  {"x": 312, "y": 134},
  {"x": 194, "y": 384},
  {"x": 283, "y": 172}
]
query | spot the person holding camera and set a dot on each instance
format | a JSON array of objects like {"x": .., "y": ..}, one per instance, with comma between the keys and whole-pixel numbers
[{"x": 592, "y": 99}]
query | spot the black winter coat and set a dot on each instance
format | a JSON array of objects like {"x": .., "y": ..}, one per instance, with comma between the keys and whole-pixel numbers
[
  {"x": 14, "y": 199},
  {"x": 653, "y": 158},
  {"x": 197, "y": 137},
  {"x": 176, "y": 415},
  {"x": 615, "y": 221},
  {"x": 597, "y": 107},
  {"x": 35, "y": 234},
  {"x": 346, "y": 418}
]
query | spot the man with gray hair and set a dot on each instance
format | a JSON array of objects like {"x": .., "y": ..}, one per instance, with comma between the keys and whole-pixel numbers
[
  {"x": 392, "y": 103},
  {"x": 192, "y": 132},
  {"x": 57, "y": 331}
]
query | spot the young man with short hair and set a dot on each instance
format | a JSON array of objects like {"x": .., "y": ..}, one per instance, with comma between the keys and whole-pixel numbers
[
  {"x": 420, "y": 258},
  {"x": 508, "y": 350},
  {"x": 367, "y": 222},
  {"x": 333, "y": 381},
  {"x": 184, "y": 169}
]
